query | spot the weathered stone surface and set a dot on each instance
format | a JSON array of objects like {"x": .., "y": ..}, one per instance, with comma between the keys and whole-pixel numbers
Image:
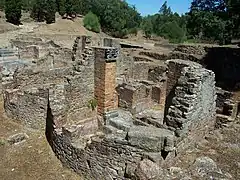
[
  {"x": 194, "y": 98},
  {"x": 148, "y": 170},
  {"x": 118, "y": 144},
  {"x": 151, "y": 139},
  {"x": 206, "y": 168}
]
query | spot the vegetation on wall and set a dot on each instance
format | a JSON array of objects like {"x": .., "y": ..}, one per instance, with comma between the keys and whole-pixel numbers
[{"x": 92, "y": 104}]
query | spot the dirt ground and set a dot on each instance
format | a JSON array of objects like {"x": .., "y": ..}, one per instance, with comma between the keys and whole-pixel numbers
[{"x": 32, "y": 159}]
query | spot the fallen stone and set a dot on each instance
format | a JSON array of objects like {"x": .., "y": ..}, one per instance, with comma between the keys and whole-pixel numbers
[
  {"x": 148, "y": 170},
  {"x": 17, "y": 138},
  {"x": 204, "y": 165}
]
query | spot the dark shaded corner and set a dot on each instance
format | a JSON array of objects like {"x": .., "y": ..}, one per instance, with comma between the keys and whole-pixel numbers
[
  {"x": 168, "y": 103},
  {"x": 49, "y": 125}
]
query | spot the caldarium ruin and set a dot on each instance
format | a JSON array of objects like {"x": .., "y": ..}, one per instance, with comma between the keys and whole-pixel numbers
[{"x": 110, "y": 108}]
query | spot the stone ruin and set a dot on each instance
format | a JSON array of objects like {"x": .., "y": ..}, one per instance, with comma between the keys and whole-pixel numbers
[{"x": 105, "y": 113}]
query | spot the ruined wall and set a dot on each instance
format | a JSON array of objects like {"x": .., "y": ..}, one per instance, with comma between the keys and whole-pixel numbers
[
  {"x": 135, "y": 96},
  {"x": 28, "y": 107},
  {"x": 33, "y": 76},
  {"x": 194, "y": 100},
  {"x": 68, "y": 90},
  {"x": 111, "y": 157},
  {"x": 29, "y": 52}
]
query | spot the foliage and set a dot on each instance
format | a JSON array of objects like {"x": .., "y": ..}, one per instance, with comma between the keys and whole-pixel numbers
[
  {"x": 92, "y": 104},
  {"x": 214, "y": 20},
  {"x": 208, "y": 20},
  {"x": 44, "y": 10},
  {"x": 61, "y": 6},
  {"x": 28, "y": 4},
  {"x": 147, "y": 26},
  {"x": 166, "y": 24},
  {"x": 13, "y": 11},
  {"x": 172, "y": 31},
  {"x": 91, "y": 22},
  {"x": 2, "y": 142},
  {"x": 38, "y": 10},
  {"x": 2, "y": 4},
  {"x": 50, "y": 11}
]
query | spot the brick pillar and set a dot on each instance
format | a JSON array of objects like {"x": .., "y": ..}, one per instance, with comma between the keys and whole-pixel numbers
[{"x": 105, "y": 79}]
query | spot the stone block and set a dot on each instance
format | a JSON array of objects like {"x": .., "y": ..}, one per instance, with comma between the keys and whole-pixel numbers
[{"x": 151, "y": 139}]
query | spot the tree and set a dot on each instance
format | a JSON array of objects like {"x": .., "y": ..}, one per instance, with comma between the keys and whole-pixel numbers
[
  {"x": 165, "y": 10},
  {"x": 13, "y": 11},
  {"x": 61, "y": 6},
  {"x": 91, "y": 22},
  {"x": 27, "y": 4},
  {"x": 172, "y": 31},
  {"x": 71, "y": 7},
  {"x": 234, "y": 14},
  {"x": 50, "y": 11},
  {"x": 2, "y": 4},
  {"x": 213, "y": 20},
  {"x": 147, "y": 26},
  {"x": 38, "y": 10}
]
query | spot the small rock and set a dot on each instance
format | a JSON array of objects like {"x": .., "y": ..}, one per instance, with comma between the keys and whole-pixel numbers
[
  {"x": 148, "y": 170},
  {"x": 175, "y": 170},
  {"x": 238, "y": 165},
  {"x": 17, "y": 138},
  {"x": 204, "y": 165}
]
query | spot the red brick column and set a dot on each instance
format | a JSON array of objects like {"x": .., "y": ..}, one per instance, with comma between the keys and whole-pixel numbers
[{"x": 105, "y": 79}]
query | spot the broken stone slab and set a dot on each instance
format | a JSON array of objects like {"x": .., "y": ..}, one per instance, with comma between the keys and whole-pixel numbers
[
  {"x": 151, "y": 139},
  {"x": 17, "y": 138}
]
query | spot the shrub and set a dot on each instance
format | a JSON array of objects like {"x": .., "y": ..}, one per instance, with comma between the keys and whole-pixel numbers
[
  {"x": 92, "y": 104},
  {"x": 91, "y": 22}
]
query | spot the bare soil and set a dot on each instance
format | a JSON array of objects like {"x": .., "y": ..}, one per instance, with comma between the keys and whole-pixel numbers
[{"x": 32, "y": 159}]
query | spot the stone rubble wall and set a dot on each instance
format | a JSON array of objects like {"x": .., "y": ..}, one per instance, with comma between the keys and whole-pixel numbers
[
  {"x": 58, "y": 99},
  {"x": 29, "y": 52},
  {"x": 68, "y": 90},
  {"x": 194, "y": 100},
  {"x": 136, "y": 96},
  {"x": 28, "y": 107},
  {"x": 112, "y": 157}
]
